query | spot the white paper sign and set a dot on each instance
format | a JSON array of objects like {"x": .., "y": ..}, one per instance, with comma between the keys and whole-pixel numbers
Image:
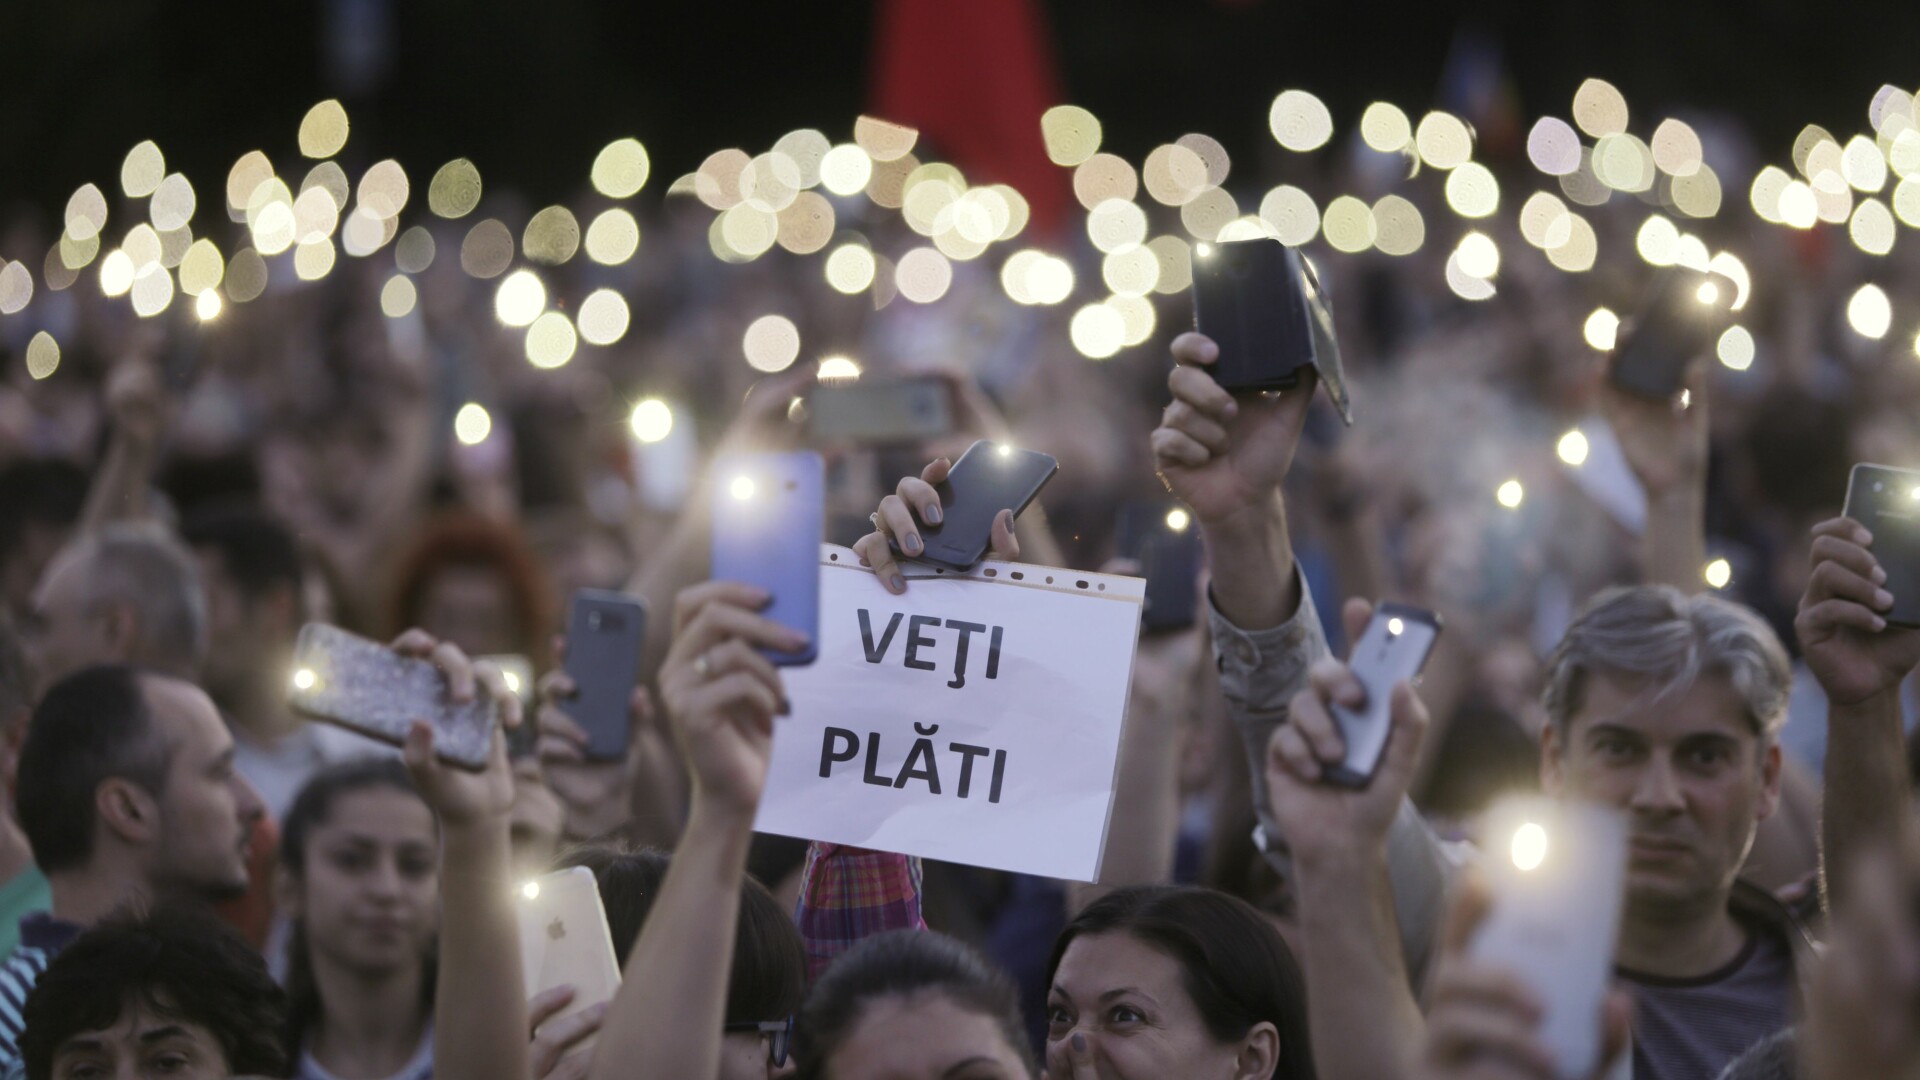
[{"x": 974, "y": 720}]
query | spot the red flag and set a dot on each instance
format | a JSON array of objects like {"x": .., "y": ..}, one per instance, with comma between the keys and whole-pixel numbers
[{"x": 974, "y": 78}]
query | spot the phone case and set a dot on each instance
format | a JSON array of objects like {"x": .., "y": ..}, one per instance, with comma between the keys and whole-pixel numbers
[
  {"x": 605, "y": 630},
  {"x": 882, "y": 411},
  {"x": 564, "y": 940},
  {"x": 769, "y": 515},
  {"x": 1557, "y": 872},
  {"x": 1169, "y": 559},
  {"x": 987, "y": 479},
  {"x": 1672, "y": 328},
  {"x": 1392, "y": 649},
  {"x": 364, "y": 686},
  {"x": 1887, "y": 501}
]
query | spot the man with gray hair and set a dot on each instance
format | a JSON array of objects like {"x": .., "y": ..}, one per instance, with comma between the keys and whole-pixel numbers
[{"x": 127, "y": 594}]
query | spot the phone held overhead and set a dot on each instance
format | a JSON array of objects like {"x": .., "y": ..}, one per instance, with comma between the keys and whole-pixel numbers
[
  {"x": 1262, "y": 304},
  {"x": 1392, "y": 649},
  {"x": 769, "y": 516},
  {"x": 1683, "y": 316},
  {"x": 1159, "y": 535},
  {"x": 988, "y": 478},
  {"x": 366, "y": 687},
  {"x": 604, "y": 633},
  {"x": 1887, "y": 501}
]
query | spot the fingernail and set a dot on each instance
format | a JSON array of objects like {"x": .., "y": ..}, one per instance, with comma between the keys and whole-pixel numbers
[
  {"x": 1879, "y": 575},
  {"x": 1232, "y": 410},
  {"x": 1882, "y": 598},
  {"x": 911, "y": 544},
  {"x": 897, "y": 583},
  {"x": 1351, "y": 696},
  {"x": 1879, "y": 624},
  {"x": 795, "y": 639},
  {"x": 933, "y": 513},
  {"x": 1864, "y": 537},
  {"x": 1079, "y": 1043},
  {"x": 786, "y": 708}
]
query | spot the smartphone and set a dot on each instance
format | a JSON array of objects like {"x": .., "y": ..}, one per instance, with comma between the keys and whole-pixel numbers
[
  {"x": 1681, "y": 319},
  {"x": 605, "y": 630},
  {"x": 988, "y": 478},
  {"x": 518, "y": 672},
  {"x": 1557, "y": 872},
  {"x": 1261, "y": 303},
  {"x": 364, "y": 686},
  {"x": 1392, "y": 649},
  {"x": 1887, "y": 501},
  {"x": 769, "y": 514},
  {"x": 564, "y": 940},
  {"x": 881, "y": 411},
  {"x": 1161, "y": 537}
]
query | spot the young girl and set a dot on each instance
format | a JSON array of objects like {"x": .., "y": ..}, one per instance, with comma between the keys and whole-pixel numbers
[{"x": 360, "y": 859}]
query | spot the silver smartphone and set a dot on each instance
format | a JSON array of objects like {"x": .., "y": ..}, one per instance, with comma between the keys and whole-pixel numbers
[
  {"x": 365, "y": 686},
  {"x": 1557, "y": 871},
  {"x": 1392, "y": 649},
  {"x": 564, "y": 940}
]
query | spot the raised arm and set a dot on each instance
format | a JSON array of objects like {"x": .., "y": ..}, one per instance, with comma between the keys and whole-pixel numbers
[
  {"x": 1665, "y": 444},
  {"x": 136, "y": 406},
  {"x": 1860, "y": 662},
  {"x": 480, "y": 1009},
  {"x": 721, "y": 697}
]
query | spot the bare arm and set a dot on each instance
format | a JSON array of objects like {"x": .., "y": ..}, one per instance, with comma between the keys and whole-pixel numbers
[
  {"x": 1665, "y": 443},
  {"x": 135, "y": 405}
]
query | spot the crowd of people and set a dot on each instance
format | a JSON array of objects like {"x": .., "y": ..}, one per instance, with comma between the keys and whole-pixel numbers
[{"x": 196, "y": 880}]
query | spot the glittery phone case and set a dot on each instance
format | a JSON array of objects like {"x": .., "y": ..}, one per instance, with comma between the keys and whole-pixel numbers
[{"x": 364, "y": 686}]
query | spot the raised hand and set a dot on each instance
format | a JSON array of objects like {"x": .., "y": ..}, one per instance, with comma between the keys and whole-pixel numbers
[
  {"x": 553, "y": 1044},
  {"x": 1664, "y": 442},
  {"x": 721, "y": 695},
  {"x": 897, "y": 524},
  {"x": 459, "y": 797},
  {"x": 1843, "y": 635},
  {"x": 598, "y": 795},
  {"x": 1221, "y": 454}
]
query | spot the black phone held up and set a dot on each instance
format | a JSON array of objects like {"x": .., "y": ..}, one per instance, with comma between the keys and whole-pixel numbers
[
  {"x": 1887, "y": 501},
  {"x": 1681, "y": 319},
  {"x": 1391, "y": 650},
  {"x": 366, "y": 687},
  {"x": 1259, "y": 301},
  {"x": 605, "y": 630},
  {"x": 988, "y": 478},
  {"x": 1160, "y": 536}
]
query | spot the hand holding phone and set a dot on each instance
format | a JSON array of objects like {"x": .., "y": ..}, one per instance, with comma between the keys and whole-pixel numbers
[
  {"x": 1160, "y": 537},
  {"x": 1392, "y": 649},
  {"x": 769, "y": 515},
  {"x": 988, "y": 479},
  {"x": 1887, "y": 501},
  {"x": 604, "y": 633},
  {"x": 565, "y": 941},
  {"x": 1556, "y": 872},
  {"x": 1683, "y": 316},
  {"x": 366, "y": 687},
  {"x": 1262, "y": 304}
]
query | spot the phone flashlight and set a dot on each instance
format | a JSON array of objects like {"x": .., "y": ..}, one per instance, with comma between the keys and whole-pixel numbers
[
  {"x": 1203, "y": 250},
  {"x": 1395, "y": 627},
  {"x": 1709, "y": 292},
  {"x": 1005, "y": 449},
  {"x": 304, "y": 679},
  {"x": 531, "y": 890},
  {"x": 1529, "y": 846},
  {"x": 742, "y": 488},
  {"x": 1178, "y": 520}
]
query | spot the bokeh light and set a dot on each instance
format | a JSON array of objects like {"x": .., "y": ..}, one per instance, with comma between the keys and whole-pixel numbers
[
  {"x": 612, "y": 237},
  {"x": 1299, "y": 121},
  {"x": 1869, "y": 312},
  {"x": 1553, "y": 146},
  {"x": 1097, "y": 331},
  {"x": 1398, "y": 227},
  {"x": 1602, "y": 329},
  {"x": 1348, "y": 224},
  {"x": 472, "y": 425},
  {"x": 43, "y": 356},
  {"x": 846, "y": 170},
  {"x": 771, "y": 343},
  {"x": 1572, "y": 448},
  {"x": 884, "y": 140},
  {"x": 551, "y": 340},
  {"x": 398, "y": 297},
  {"x": 324, "y": 130},
  {"x": 1676, "y": 148},
  {"x": 454, "y": 191},
  {"x": 604, "y": 317},
  {"x": 923, "y": 275},
  {"x": 142, "y": 170},
  {"x": 1384, "y": 127},
  {"x": 488, "y": 249},
  {"x": 1510, "y": 494},
  {"x": 1443, "y": 140},
  {"x": 208, "y": 306},
  {"x": 1718, "y": 573},
  {"x": 1071, "y": 133},
  {"x": 520, "y": 298},
  {"x": 1735, "y": 348},
  {"x": 1599, "y": 108},
  {"x": 837, "y": 368},
  {"x": 651, "y": 421},
  {"x": 1472, "y": 191},
  {"x": 620, "y": 169},
  {"x": 850, "y": 268}
]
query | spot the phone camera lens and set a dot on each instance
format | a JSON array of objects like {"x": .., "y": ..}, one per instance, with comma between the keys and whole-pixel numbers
[
  {"x": 1878, "y": 486},
  {"x": 593, "y": 620}
]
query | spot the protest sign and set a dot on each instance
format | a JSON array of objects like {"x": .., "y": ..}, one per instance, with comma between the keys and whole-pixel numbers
[{"x": 975, "y": 719}]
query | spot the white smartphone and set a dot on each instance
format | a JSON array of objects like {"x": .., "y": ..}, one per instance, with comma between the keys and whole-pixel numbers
[
  {"x": 564, "y": 940},
  {"x": 1557, "y": 870},
  {"x": 1391, "y": 650}
]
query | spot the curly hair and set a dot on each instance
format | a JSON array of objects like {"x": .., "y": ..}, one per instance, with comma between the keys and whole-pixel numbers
[{"x": 178, "y": 961}]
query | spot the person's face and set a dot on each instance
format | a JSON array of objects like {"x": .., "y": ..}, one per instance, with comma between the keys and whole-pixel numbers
[
  {"x": 1690, "y": 772},
  {"x": 62, "y": 634},
  {"x": 142, "y": 1045},
  {"x": 925, "y": 1036},
  {"x": 207, "y": 811},
  {"x": 1129, "y": 1001},
  {"x": 744, "y": 1056},
  {"x": 469, "y": 606},
  {"x": 369, "y": 891}
]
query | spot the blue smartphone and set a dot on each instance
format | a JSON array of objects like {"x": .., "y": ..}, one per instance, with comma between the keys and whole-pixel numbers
[
  {"x": 605, "y": 630},
  {"x": 769, "y": 515}
]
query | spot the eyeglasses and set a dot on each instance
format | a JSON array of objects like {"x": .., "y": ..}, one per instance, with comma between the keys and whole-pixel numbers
[{"x": 779, "y": 1035}]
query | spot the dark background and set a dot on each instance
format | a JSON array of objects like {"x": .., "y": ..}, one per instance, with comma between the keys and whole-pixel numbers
[{"x": 530, "y": 89}]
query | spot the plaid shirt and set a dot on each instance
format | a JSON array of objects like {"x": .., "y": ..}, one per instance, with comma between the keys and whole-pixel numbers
[{"x": 850, "y": 893}]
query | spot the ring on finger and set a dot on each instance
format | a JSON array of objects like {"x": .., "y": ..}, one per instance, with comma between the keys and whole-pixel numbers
[{"x": 702, "y": 667}]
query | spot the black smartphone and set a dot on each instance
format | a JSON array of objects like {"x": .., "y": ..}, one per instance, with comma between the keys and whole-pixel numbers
[
  {"x": 1887, "y": 501},
  {"x": 1262, "y": 305},
  {"x": 769, "y": 514},
  {"x": 517, "y": 672},
  {"x": 1161, "y": 537},
  {"x": 1682, "y": 318},
  {"x": 1392, "y": 649},
  {"x": 605, "y": 630},
  {"x": 365, "y": 686},
  {"x": 879, "y": 412},
  {"x": 988, "y": 478}
]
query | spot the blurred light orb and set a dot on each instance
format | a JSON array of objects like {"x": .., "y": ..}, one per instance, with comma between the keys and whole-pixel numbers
[
  {"x": 16, "y": 287},
  {"x": 1718, "y": 573},
  {"x": 43, "y": 356},
  {"x": 1348, "y": 225},
  {"x": 884, "y": 140},
  {"x": 652, "y": 420},
  {"x": 1599, "y": 108},
  {"x": 551, "y": 340},
  {"x": 142, "y": 170},
  {"x": 1292, "y": 213},
  {"x": 612, "y": 237},
  {"x": 552, "y": 237},
  {"x": 1572, "y": 448},
  {"x": 116, "y": 273},
  {"x": 850, "y": 268},
  {"x": 1869, "y": 312},
  {"x": 207, "y": 306},
  {"x": 314, "y": 259},
  {"x": 324, "y": 130},
  {"x": 620, "y": 169},
  {"x": 86, "y": 213},
  {"x": 1676, "y": 148},
  {"x": 520, "y": 298},
  {"x": 846, "y": 170},
  {"x": 1872, "y": 227},
  {"x": 1553, "y": 146},
  {"x": 1735, "y": 348},
  {"x": 604, "y": 317},
  {"x": 1472, "y": 191},
  {"x": 1384, "y": 127},
  {"x": 1479, "y": 255},
  {"x": 1602, "y": 329},
  {"x": 837, "y": 367},
  {"x": 1049, "y": 280},
  {"x": 1299, "y": 121},
  {"x": 173, "y": 203},
  {"x": 1464, "y": 285},
  {"x": 771, "y": 343},
  {"x": 1443, "y": 140},
  {"x": 923, "y": 275},
  {"x": 398, "y": 297},
  {"x": 1798, "y": 208},
  {"x": 1510, "y": 494},
  {"x": 202, "y": 268},
  {"x": 472, "y": 425},
  {"x": 1398, "y": 227},
  {"x": 1097, "y": 331},
  {"x": 1174, "y": 174},
  {"x": 454, "y": 191},
  {"x": 1071, "y": 133}
]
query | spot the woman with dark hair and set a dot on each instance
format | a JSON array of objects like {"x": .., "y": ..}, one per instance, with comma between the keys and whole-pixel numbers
[
  {"x": 359, "y": 854},
  {"x": 764, "y": 988},
  {"x": 1160, "y": 980},
  {"x": 910, "y": 1003}
]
